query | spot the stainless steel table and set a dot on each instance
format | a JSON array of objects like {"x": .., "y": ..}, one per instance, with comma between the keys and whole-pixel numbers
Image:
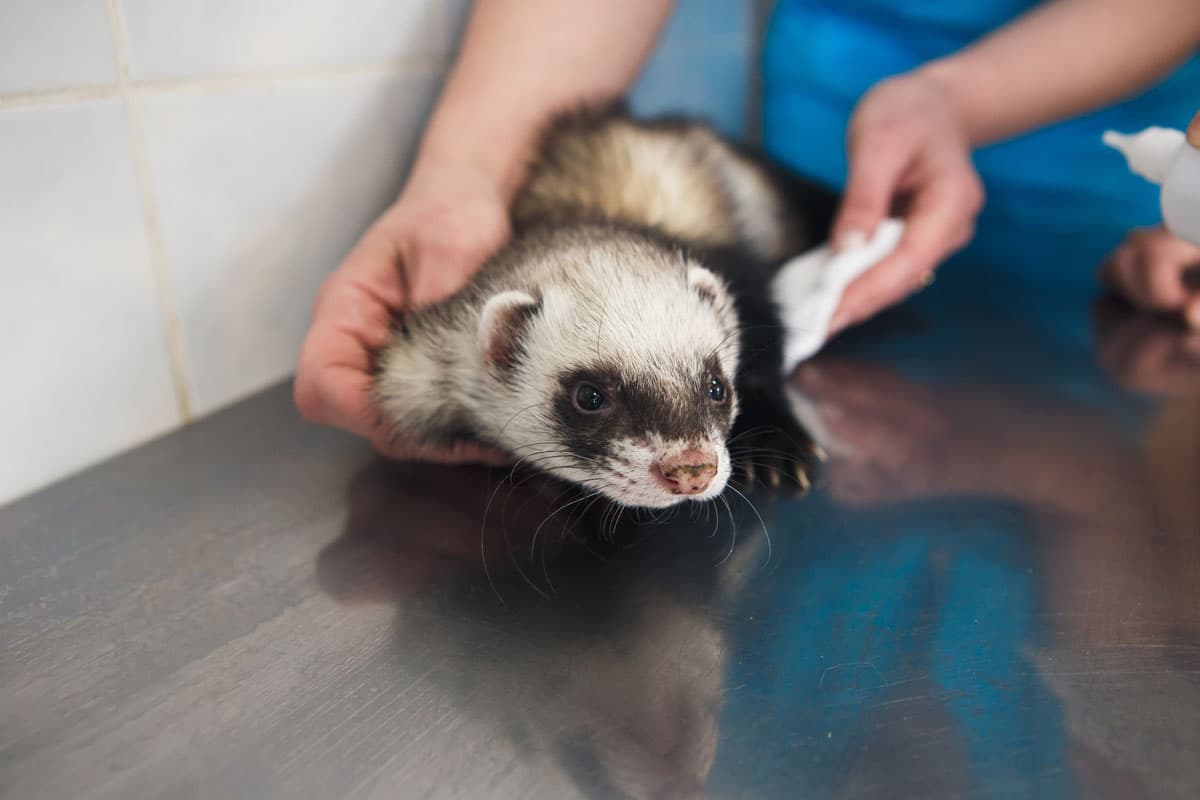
[{"x": 991, "y": 591}]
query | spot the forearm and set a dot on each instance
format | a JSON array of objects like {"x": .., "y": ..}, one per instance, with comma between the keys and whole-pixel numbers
[
  {"x": 1065, "y": 58},
  {"x": 522, "y": 60}
]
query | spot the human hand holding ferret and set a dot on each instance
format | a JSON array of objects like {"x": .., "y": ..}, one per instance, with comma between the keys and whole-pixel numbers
[
  {"x": 445, "y": 224},
  {"x": 511, "y": 72}
]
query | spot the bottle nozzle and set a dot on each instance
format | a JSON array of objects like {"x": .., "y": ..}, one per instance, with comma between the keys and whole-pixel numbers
[
  {"x": 1148, "y": 153},
  {"x": 1117, "y": 141}
]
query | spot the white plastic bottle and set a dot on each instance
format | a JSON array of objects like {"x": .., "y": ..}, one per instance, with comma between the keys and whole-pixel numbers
[{"x": 1163, "y": 156}]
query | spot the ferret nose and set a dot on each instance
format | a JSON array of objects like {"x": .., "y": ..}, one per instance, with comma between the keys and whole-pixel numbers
[{"x": 689, "y": 472}]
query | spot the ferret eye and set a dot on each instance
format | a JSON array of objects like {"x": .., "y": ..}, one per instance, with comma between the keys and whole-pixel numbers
[
  {"x": 589, "y": 399},
  {"x": 716, "y": 390}
]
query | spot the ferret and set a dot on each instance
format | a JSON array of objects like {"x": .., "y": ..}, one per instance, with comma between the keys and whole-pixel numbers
[{"x": 627, "y": 324}]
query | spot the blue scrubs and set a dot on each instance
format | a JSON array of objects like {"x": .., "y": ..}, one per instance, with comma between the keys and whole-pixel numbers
[{"x": 1054, "y": 196}]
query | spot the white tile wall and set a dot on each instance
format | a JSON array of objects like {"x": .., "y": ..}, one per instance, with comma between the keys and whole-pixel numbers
[
  {"x": 261, "y": 191},
  {"x": 163, "y": 227},
  {"x": 54, "y": 44},
  {"x": 82, "y": 353},
  {"x": 197, "y": 38}
]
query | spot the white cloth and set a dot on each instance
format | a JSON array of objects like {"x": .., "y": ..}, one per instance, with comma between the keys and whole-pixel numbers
[{"x": 807, "y": 288}]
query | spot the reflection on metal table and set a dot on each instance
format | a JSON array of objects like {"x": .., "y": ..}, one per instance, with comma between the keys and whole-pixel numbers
[{"x": 993, "y": 590}]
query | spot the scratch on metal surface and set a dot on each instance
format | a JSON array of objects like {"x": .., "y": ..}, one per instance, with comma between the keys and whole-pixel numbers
[{"x": 833, "y": 667}]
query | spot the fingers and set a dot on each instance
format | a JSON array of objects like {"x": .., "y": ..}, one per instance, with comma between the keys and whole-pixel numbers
[
  {"x": 371, "y": 272},
  {"x": 337, "y": 396},
  {"x": 422, "y": 249},
  {"x": 906, "y": 143},
  {"x": 875, "y": 170},
  {"x": 333, "y": 387},
  {"x": 940, "y": 222},
  {"x": 332, "y": 384},
  {"x": 1150, "y": 269},
  {"x": 454, "y": 242},
  {"x": 340, "y": 396}
]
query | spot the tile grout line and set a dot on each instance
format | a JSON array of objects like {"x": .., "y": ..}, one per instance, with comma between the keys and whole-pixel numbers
[
  {"x": 431, "y": 63},
  {"x": 158, "y": 253},
  {"x": 263, "y": 77},
  {"x": 77, "y": 94}
]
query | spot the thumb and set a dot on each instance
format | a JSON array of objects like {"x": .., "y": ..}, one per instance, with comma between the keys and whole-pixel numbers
[
  {"x": 874, "y": 172},
  {"x": 1193, "y": 131}
]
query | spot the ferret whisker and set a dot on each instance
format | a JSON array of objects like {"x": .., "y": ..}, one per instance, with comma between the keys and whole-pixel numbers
[
  {"x": 577, "y": 515},
  {"x": 596, "y": 497},
  {"x": 740, "y": 329},
  {"x": 757, "y": 430},
  {"x": 529, "y": 581},
  {"x": 590, "y": 498},
  {"x": 604, "y": 521},
  {"x": 516, "y": 465},
  {"x": 553, "y": 446},
  {"x": 732, "y": 530},
  {"x": 483, "y": 531},
  {"x": 616, "y": 520},
  {"x": 538, "y": 530},
  {"x": 545, "y": 443},
  {"x": 483, "y": 526},
  {"x": 765, "y": 451},
  {"x": 516, "y": 414},
  {"x": 712, "y": 506},
  {"x": 761, "y": 522},
  {"x": 727, "y": 337},
  {"x": 531, "y": 496},
  {"x": 737, "y": 332},
  {"x": 583, "y": 540},
  {"x": 613, "y": 518}
]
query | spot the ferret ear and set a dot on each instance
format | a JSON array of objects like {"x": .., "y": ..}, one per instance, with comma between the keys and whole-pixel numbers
[
  {"x": 502, "y": 323},
  {"x": 705, "y": 283}
]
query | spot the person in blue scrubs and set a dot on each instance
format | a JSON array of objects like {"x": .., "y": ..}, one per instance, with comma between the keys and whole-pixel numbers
[
  {"x": 932, "y": 105},
  {"x": 948, "y": 102}
]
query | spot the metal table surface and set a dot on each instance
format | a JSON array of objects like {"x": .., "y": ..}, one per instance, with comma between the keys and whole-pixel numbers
[{"x": 991, "y": 591}]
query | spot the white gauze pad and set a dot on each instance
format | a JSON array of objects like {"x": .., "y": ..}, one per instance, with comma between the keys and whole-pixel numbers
[{"x": 807, "y": 288}]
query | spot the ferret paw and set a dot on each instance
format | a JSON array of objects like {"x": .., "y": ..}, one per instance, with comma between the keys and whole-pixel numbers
[{"x": 778, "y": 461}]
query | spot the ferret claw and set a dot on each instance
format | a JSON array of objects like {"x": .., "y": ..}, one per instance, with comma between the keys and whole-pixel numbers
[
  {"x": 819, "y": 452},
  {"x": 773, "y": 478},
  {"x": 749, "y": 472},
  {"x": 802, "y": 479}
]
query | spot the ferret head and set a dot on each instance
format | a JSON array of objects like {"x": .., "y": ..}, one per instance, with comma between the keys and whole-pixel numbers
[{"x": 619, "y": 378}]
